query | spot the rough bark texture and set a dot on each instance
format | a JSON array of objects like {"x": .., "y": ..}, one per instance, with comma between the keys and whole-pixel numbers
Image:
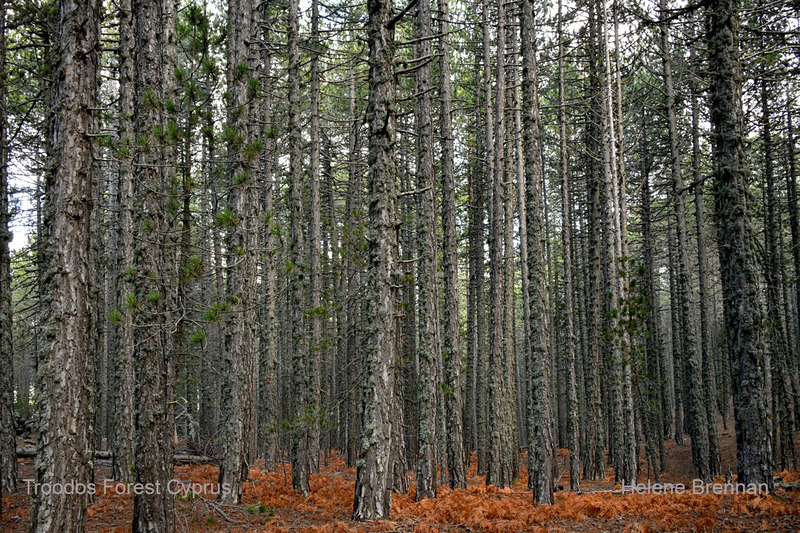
[
  {"x": 65, "y": 374},
  {"x": 297, "y": 270},
  {"x": 451, "y": 348},
  {"x": 706, "y": 351},
  {"x": 372, "y": 495},
  {"x": 594, "y": 451},
  {"x": 154, "y": 298},
  {"x": 741, "y": 304},
  {"x": 540, "y": 435},
  {"x": 499, "y": 467},
  {"x": 316, "y": 312},
  {"x": 573, "y": 427},
  {"x": 8, "y": 459},
  {"x": 240, "y": 368},
  {"x": 268, "y": 343},
  {"x": 782, "y": 404},
  {"x": 693, "y": 391},
  {"x": 123, "y": 377},
  {"x": 484, "y": 370},
  {"x": 428, "y": 352},
  {"x": 794, "y": 223}
]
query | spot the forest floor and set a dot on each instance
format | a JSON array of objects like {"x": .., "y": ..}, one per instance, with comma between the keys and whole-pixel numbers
[{"x": 270, "y": 504}]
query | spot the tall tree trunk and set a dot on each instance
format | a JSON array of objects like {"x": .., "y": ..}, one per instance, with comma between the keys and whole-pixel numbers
[
  {"x": 706, "y": 351},
  {"x": 301, "y": 389},
  {"x": 569, "y": 287},
  {"x": 316, "y": 312},
  {"x": 656, "y": 388},
  {"x": 595, "y": 464},
  {"x": 693, "y": 386},
  {"x": 499, "y": 467},
  {"x": 781, "y": 379},
  {"x": 268, "y": 367},
  {"x": 64, "y": 396},
  {"x": 354, "y": 280},
  {"x": 426, "y": 270},
  {"x": 484, "y": 369},
  {"x": 372, "y": 495},
  {"x": 623, "y": 451},
  {"x": 540, "y": 429},
  {"x": 239, "y": 389},
  {"x": 451, "y": 348},
  {"x": 741, "y": 305},
  {"x": 794, "y": 224},
  {"x": 123, "y": 398},
  {"x": 8, "y": 446},
  {"x": 154, "y": 175}
]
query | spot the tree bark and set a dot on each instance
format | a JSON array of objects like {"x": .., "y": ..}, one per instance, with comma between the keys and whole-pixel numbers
[
  {"x": 426, "y": 270},
  {"x": 693, "y": 386},
  {"x": 8, "y": 436},
  {"x": 316, "y": 312},
  {"x": 268, "y": 366},
  {"x": 741, "y": 303},
  {"x": 782, "y": 404},
  {"x": 64, "y": 398},
  {"x": 372, "y": 494},
  {"x": 451, "y": 348},
  {"x": 301, "y": 388},
  {"x": 154, "y": 299},
  {"x": 573, "y": 428},
  {"x": 123, "y": 398},
  {"x": 540, "y": 435}
]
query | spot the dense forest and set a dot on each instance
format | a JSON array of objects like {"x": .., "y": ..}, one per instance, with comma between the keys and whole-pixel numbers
[{"x": 544, "y": 240}]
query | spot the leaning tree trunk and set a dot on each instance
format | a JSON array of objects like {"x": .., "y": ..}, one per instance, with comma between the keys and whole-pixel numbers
[
  {"x": 372, "y": 495},
  {"x": 65, "y": 374},
  {"x": 741, "y": 299},
  {"x": 540, "y": 434}
]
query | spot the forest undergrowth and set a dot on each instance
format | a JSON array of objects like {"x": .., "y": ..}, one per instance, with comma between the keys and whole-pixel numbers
[{"x": 271, "y": 505}]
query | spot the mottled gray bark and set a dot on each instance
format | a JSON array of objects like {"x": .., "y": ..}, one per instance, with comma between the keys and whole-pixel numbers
[
  {"x": 301, "y": 387},
  {"x": 782, "y": 404},
  {"x": 268, "y": 343},
  {"x": 569, "y": 286},
  {"x": 540, "y": 430},
  {"x": 706, "y": 348},
  {"x": 451, "y": 347},
  {"x": 694, "y": 393},
  {"x": 372, "y": 493},
  {"x": 499, "y": 464},
  {"x": 428, "y": 349},
  {"x": 741, "y": 304},
  {"x": 316, "y": 312},
  {"x": 240, "y": 359}
]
